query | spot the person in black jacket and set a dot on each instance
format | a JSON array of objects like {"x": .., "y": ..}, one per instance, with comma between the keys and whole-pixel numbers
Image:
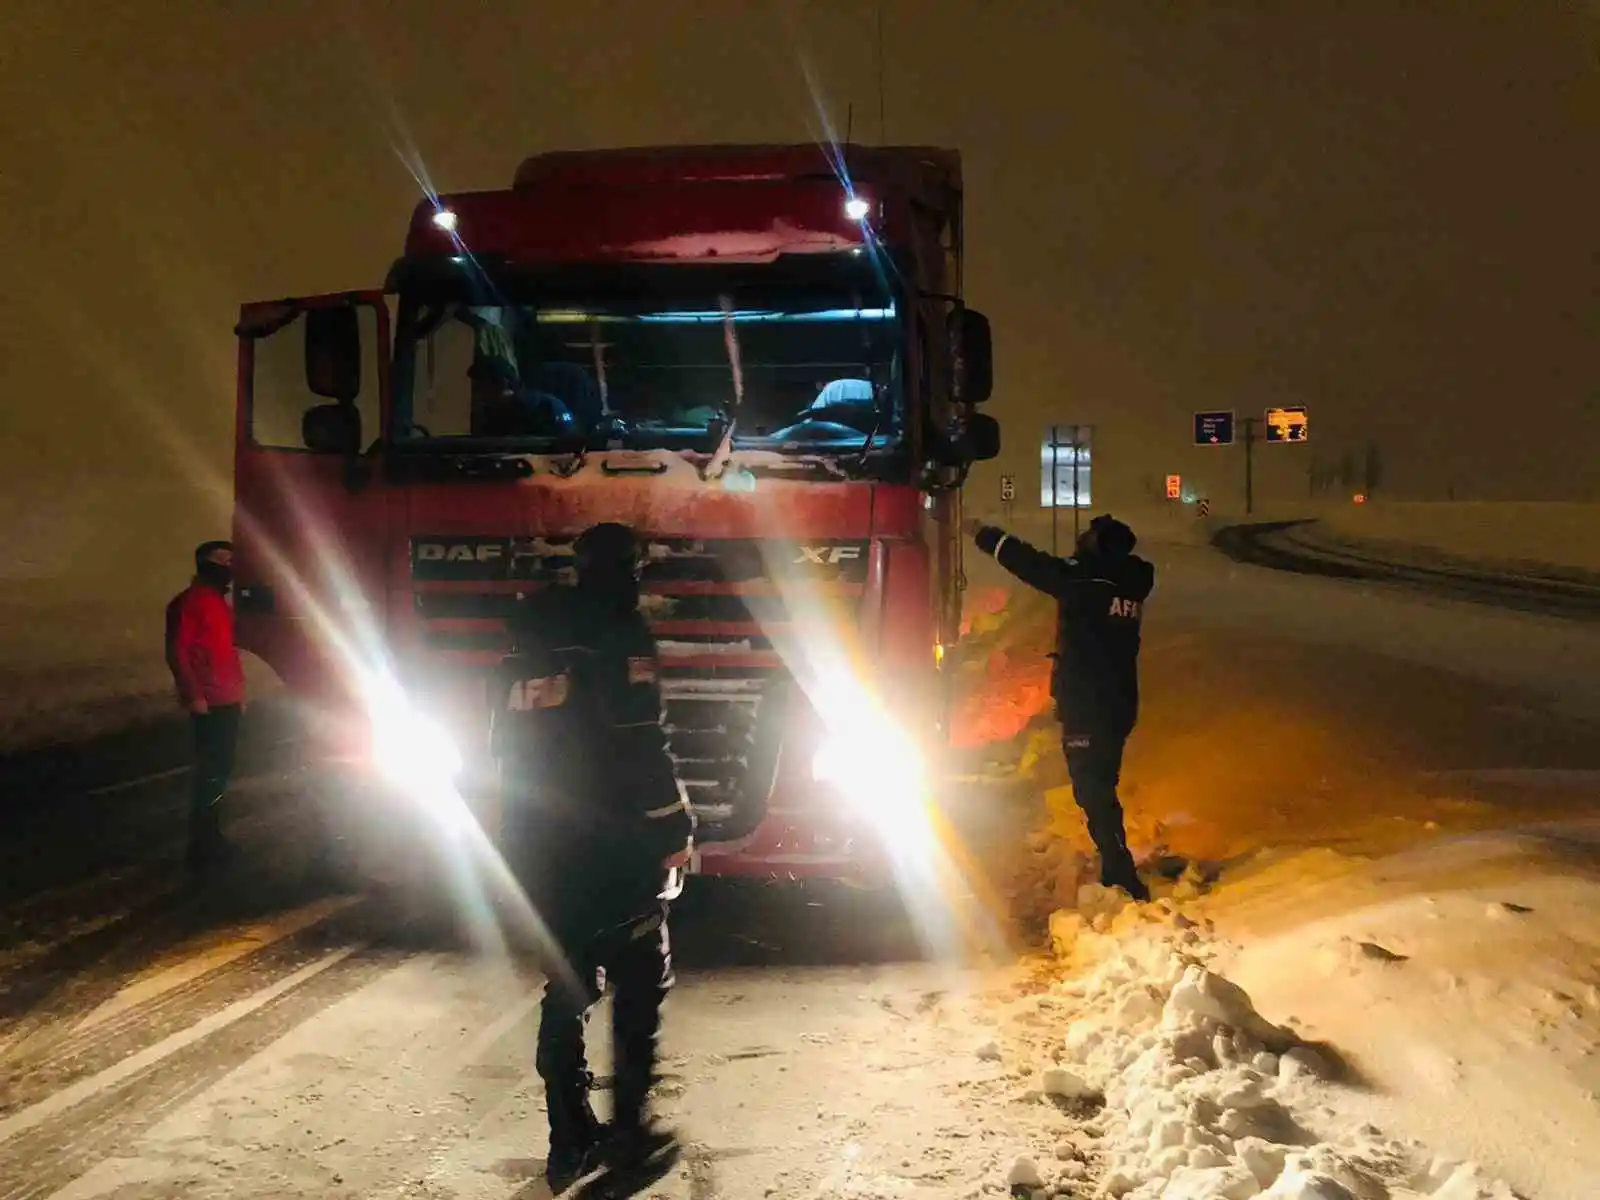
[
  {"x": 594, "y": 811},
  {"x": 1100, "y": 595}
]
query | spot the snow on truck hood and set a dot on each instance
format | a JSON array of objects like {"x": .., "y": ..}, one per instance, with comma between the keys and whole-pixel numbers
[
  {"x": 745, "y": 246},
  {"x": 669, "y": 468}
]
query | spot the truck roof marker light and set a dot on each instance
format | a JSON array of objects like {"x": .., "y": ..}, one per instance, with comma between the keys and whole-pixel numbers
[
  {"x": 856, "y": 208},
  {"x": 446, "y": 220}
]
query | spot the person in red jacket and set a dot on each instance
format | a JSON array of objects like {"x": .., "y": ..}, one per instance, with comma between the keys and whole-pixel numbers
[{"x": 210, "y": 678}]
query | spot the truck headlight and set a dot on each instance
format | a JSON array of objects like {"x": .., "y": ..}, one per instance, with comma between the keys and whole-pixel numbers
[
  {"x": 880, "y": 771},
  {"x": 410, "y": 749}
]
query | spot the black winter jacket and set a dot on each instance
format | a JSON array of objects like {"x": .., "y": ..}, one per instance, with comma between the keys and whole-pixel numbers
[
  {"x": 577, "y": 728},
  {"x": 1100, "y": 605}
]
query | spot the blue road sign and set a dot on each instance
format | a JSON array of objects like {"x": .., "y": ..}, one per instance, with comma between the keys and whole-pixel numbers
[
  {"x": 1213, "y": 429},
  {"x": 1287, "y": 424}
]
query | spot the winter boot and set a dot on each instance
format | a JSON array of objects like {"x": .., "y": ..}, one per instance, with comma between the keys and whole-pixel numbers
[
  {"x": 1118, "y": 870},
  {"x": 1133, "y": 885},
  {"x": 649, "y": 1147},
  {"x": 575, "y": 1140}
]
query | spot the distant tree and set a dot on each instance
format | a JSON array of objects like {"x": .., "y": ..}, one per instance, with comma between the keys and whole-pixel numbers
[
  {"x": 1372, "y": 469},
  {"x": 1322, "y": 474},
  {"x": 1349, "y": 471}
]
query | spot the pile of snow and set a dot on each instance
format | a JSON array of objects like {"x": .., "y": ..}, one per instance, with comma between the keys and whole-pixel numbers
[
  {"x": 1480, "y": 954},
  {"x": 1188, "y": 1093}
]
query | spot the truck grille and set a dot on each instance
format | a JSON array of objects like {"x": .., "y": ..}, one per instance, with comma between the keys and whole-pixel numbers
[{"x": 716, "y": 608}]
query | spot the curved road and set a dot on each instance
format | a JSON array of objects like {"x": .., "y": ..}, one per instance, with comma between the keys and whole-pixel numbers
[{"x": 1297, "y": 546}]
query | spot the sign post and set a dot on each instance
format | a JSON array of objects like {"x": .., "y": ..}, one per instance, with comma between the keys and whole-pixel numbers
[
  {"x": 1055, "y": 479},
  {"x": 1250, "y": 424},
  {"x": 1073, "y": 440},
  {"x": 1077, "y": 461},
  {"x": 1008, "y": 493}
]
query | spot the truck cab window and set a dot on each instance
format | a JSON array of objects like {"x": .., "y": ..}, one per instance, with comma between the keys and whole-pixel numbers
[{"x": 817, "y": 375}]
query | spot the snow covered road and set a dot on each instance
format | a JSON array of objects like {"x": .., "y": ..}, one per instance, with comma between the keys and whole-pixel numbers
[{"x": 1390, "y": 789}]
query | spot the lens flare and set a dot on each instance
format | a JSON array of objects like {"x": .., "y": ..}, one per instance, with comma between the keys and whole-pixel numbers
[
  {"x": 870, "y": 760},
  {"x": 409, "y": 749}
]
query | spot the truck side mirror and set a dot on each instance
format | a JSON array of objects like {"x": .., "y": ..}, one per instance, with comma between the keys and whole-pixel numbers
[
  {"x": 983, "y": 437},
  {"x": 333, "y": 353},
  {"x": 977, "y": 439},
  {"x": 332, "y": 429},
  {"x": 973, "y": 353}
]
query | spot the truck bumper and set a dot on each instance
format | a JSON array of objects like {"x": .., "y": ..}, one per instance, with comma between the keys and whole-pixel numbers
[{"x": 812, "y": 834}]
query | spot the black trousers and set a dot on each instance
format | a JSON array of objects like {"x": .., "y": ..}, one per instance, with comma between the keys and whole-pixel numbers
[
  {"x": 633, "y": 958},
  {"x": 1094, "y": 764},
  {"x": 216, "y": 735}
]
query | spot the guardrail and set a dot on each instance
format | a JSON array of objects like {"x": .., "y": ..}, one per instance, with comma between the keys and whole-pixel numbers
[{"x": 1299, "y": 546}]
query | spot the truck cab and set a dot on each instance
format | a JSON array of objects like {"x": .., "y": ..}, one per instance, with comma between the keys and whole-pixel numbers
[{"x": 757, "y": 357}]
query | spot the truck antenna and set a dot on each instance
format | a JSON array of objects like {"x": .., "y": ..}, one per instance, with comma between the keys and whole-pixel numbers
[{"x": 881, "y": 133}]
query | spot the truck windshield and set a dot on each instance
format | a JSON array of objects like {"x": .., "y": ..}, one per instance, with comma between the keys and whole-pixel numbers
[{"x": 809, "y": 377}]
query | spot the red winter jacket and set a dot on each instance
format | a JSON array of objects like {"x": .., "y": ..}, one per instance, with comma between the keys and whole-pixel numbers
[{"x": 200, "y": 650}]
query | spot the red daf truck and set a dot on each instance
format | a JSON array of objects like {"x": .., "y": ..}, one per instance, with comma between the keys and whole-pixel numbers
[{"x": 756, "y": 356}]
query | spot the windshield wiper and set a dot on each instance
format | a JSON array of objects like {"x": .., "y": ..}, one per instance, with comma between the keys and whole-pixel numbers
[
  {"x": 718, "y": 462},
  {"x": 879, "y": 411}
]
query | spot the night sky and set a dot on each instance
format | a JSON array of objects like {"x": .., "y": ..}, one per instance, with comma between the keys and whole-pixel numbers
[{"x": 1389, "y": 212}]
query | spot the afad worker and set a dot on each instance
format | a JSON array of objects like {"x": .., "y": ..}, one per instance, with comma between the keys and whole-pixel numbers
[
  {"x": 593, "y": 812},
  {"x": 210, "y": 680},
  {"x": 1100, "y": 595}
]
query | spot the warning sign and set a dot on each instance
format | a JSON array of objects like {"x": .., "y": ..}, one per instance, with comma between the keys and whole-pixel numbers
[
  {"x": 1174, "y": 487},
  {"x": 1287, "y": 425}
]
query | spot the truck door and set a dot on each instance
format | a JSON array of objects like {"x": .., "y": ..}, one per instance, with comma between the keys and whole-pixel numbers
[{"x": 310, "y": 514}]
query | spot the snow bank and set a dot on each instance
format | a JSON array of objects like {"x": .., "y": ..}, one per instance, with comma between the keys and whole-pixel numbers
[
  {"x": 1481, "y": 954},
  {"x": 1191, "y": 1094},
  {"x": 1508, "y": 536}
]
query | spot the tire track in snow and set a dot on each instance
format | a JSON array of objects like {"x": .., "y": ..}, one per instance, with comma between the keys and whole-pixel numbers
[
  {"x": 58, "y": 1053},
  {"x": 48, "y": 1151},
  {"x": 37, "y": 930}
]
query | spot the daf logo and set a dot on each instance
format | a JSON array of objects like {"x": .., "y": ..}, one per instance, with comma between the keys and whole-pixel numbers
[
  {"x": 459, "y": 552},
  {"x": 824, "y": 556}
]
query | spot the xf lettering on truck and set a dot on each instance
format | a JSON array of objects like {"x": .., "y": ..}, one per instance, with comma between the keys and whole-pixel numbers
[{"x": 828, "y": 556}]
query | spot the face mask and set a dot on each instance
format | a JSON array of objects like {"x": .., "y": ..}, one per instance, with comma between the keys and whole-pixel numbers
[{"x": 216, "y": 574}]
